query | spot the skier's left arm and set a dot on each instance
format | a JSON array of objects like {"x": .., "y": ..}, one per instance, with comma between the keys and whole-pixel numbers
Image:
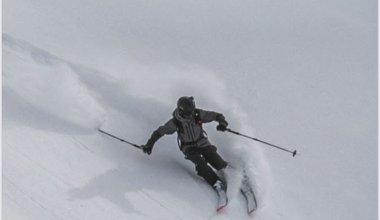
[{"x": 209, "y": 116}]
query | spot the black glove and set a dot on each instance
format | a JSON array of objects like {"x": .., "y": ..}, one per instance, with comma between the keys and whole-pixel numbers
[
  {"x": 147, "y": 149},
  {"x": 222, "y": 126},
  {"x": 222, "y": 123}
]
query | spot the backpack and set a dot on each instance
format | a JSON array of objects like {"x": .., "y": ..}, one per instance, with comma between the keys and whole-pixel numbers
[{"x": 179, "y": 125}]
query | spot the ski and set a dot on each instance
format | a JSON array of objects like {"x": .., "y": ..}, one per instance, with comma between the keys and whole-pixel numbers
[
  {"x": 247, "y": 191},
  {"x": 245, "y": 188},
  {"x": 222, "y": 196},
  {"x": 222, "y": 202}
]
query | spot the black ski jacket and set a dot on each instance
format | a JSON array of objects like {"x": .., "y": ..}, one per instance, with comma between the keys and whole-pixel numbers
[{"x": 190, "y": 131}]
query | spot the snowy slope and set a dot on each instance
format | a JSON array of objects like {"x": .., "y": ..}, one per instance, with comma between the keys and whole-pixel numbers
[
  {"x": 52, "y": 110},
  {"x": 298, "y": 73}
]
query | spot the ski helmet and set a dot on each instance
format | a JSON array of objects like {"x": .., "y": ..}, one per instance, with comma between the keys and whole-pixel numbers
[{"x": 186, "y": 105}]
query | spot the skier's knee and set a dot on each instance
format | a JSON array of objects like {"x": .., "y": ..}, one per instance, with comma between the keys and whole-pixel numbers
[
  {"x": 201, "y": 167},
  {"x": 218, "y": 163},
  {"x": 204, "y": 170},
  {"x": 221, "y": 165}
]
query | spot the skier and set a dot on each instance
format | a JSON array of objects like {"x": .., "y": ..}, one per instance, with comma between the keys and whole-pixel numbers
[{"x": 187, "y": 122}]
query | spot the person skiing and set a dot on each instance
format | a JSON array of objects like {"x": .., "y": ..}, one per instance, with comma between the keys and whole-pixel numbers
[{"x": 193, "y": 142}]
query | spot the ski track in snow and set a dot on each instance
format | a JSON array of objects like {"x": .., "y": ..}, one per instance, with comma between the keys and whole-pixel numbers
[
  {"x": 39, "y": 204},
  {"x": 34, "y": 107}
]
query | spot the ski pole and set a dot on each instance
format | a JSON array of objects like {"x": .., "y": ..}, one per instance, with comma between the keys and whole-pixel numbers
[
  {"x": 122, "y": 140},
  {"x": 255, "y": 139}
]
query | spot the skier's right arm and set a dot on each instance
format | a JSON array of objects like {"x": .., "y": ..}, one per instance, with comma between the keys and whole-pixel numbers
[{"x": 168, "y": 128}]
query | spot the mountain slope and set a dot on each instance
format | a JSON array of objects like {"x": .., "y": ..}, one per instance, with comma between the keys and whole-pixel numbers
[
  {"x": 300, "y": 74},
  {"x": 58, "y": 166}
]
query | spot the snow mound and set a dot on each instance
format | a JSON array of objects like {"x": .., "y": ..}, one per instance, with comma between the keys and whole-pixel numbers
[{"x": 48, "y": 84}]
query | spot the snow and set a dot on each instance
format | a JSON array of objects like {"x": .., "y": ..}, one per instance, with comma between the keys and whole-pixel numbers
[{"x": 300, "y": 74}]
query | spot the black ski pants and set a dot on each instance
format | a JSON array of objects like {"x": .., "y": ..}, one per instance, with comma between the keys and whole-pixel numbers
[{"x": 201, "y": 157}]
